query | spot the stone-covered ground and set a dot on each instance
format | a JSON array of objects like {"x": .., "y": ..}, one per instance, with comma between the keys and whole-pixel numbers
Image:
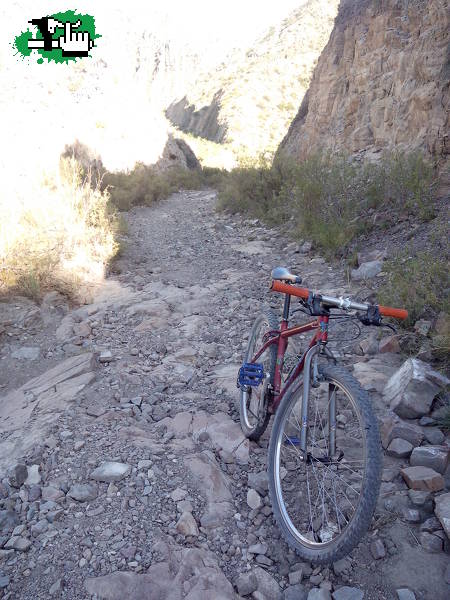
[{"x": 123, "y": 470}]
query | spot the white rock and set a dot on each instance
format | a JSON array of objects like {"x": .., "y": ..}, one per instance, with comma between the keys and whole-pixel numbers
[
  {"x": 254, "y": 499},
  {"x": 178, "y": 494},
  {"x": 34, "y": 477},
  {"x": 111, "y": 471},
  {"x": 105, "y": 356}
]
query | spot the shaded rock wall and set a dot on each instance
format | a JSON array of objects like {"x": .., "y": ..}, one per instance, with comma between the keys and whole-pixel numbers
[
  {"x": 202, "y": 122},
  {"x": 381, "y": 82}
]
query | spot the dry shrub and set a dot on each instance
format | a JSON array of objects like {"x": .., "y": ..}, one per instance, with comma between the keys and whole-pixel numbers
[
  {"x": 145, "y": 185},
  {"x": 57, "y": 235}
]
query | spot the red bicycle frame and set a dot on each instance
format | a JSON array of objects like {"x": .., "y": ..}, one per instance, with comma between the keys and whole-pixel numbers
[{"x": 280, "y": 338}]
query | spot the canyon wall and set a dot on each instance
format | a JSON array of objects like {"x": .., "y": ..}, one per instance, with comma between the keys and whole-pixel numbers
[{"x": 381, "y": 82}]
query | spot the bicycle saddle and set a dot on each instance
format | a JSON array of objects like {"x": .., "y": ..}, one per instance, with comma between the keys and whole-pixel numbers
[{"x": 283, "y": 274}]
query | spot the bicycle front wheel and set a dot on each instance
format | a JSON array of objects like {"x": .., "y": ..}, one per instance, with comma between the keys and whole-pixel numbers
[{"x": 323, "y": 500}]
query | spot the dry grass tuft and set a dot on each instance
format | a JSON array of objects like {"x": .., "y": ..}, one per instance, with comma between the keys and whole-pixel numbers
[{"x": 58, "y": 235}]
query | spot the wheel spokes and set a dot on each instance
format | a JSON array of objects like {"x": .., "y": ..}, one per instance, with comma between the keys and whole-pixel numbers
[{"x": 331, "y": 486}]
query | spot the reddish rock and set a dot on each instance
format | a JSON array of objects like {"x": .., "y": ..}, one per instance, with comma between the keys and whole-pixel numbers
[
  {"x": 389, "y": 344},
  {"x": 423, "y": 478}
]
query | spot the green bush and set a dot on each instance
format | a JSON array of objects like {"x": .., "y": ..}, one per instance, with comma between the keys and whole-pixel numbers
[
  {"x": 329, "y": 198},
  {"x": 444, "y": 421},
  {"x": 404, "y": 183},
  {"x": 418, "y": 283}
]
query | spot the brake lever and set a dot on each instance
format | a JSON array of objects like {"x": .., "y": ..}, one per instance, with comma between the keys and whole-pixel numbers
[{"x": 374, "y": 318}]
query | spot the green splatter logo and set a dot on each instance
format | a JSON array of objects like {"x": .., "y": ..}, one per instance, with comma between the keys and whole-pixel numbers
[{"x": 61, "y": 37}]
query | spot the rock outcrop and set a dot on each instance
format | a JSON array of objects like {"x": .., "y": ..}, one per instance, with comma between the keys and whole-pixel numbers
[
  {"x": 382, "y": 82},
  {"x": 177, "y": 153}
]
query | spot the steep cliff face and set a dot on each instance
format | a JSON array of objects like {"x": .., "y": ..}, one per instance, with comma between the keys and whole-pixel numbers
[
  {"x": 203, "y": 122},
  {"x": 250, "y": 100},
  {"x": 382, "y": 82}
]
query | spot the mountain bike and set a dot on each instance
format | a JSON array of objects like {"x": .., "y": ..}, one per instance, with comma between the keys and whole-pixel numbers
[{"x": 324, "y": 457}]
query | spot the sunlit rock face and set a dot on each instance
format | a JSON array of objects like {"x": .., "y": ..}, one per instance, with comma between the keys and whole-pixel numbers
[
  {"x": 250, "y": 99},
  {"x": 382, "y": 82}
]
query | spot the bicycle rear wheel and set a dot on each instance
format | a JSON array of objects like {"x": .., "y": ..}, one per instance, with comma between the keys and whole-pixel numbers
[
  {"x": 254, "y": 400},
  {"x": 323, "y": 503}
]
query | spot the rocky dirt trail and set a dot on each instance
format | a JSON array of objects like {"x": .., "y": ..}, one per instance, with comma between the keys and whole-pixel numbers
[{"x": 123, "y": 470}]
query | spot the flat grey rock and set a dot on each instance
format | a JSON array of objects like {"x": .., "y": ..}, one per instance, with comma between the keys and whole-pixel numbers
[
  {"x": 367, "y": 270},
  {"x": 33, "y": 475},
  {"x": 27, "y": 353},
  {"x": 267, "y": 585},
  {"x": 348, "y": 593},
  {"x": 246, "y": 584},
  {"x": 95, "y": 411},
  {"x": 295, "y": 592},
  {"x": 399, "y": 448},
  {"x": 82, "y": 492},
  {"x": 319, "y": 594},
  {"x": 9, "y": 519}
]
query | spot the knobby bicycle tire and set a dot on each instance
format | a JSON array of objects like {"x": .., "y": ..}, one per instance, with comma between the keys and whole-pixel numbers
[{"x": 370, "y": 485}]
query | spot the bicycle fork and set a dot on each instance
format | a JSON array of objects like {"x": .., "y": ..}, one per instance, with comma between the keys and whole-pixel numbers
[{"x": 308, "y": 364}]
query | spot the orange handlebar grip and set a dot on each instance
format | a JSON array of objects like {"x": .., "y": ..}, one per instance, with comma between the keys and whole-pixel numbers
[
  {"x": 285, "y": 288},
  {"x": 397, "y": 313}
]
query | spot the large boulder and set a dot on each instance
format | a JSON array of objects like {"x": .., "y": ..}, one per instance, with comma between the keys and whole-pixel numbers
[
  {"x": 434, "y": 457},
  {"x": 177, "y": 153},
  {"x": 411, "y": 390},
  {"x": 51, "y": 392},
  {"x": 184, "y": 574}
]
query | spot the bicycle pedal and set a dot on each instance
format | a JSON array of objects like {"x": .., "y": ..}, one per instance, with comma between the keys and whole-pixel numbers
[
  {"x": 251, "y": 374},
  {"x": 292, "y": 441}
]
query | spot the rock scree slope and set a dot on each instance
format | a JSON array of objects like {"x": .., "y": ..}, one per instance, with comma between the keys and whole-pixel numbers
[{"x": 124, "y": 473}]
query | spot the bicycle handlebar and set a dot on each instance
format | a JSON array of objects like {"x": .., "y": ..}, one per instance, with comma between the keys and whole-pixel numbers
[
  {"x": 343, "y": 303},
  {"x": 397, "y": 313}
]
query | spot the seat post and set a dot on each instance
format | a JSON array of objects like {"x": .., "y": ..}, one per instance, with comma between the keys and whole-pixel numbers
[{"x": 287, "y": 305}]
